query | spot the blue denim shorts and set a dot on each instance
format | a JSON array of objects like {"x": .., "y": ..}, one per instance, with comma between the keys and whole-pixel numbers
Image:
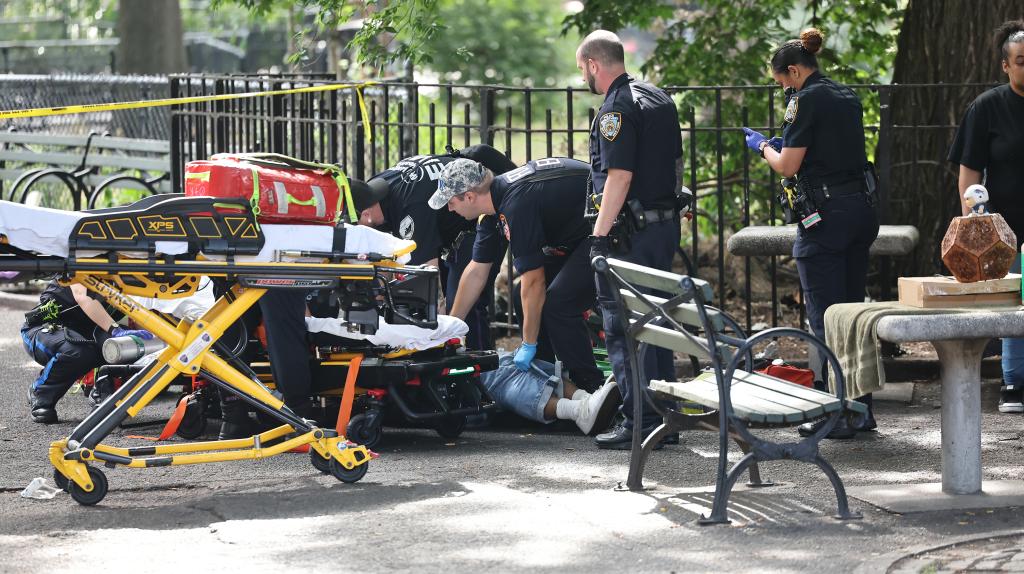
[{"x": 525, "y": 394}]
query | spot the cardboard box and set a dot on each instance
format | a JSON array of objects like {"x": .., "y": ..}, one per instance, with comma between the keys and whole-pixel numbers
[{"x": 946, "y": 292}]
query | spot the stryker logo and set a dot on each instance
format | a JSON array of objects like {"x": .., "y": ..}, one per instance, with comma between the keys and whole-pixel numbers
[{"x": 311, "y": 283}]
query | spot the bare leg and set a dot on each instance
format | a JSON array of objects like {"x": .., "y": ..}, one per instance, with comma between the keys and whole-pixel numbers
[
  {"x": 568, "y": 389},
  {"x": 549, "y": 408}
]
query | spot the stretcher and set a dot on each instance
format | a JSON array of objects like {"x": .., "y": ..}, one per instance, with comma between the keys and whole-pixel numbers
[{"x": 160, "y": 247}]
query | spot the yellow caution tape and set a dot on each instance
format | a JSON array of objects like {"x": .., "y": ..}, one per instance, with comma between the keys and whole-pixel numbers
[{"x": 86, "y": 108}]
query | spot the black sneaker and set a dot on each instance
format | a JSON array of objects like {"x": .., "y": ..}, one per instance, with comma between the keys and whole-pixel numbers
[
  {"x": 1011, "y": 399},
  {"x": 621, "y": 438}
]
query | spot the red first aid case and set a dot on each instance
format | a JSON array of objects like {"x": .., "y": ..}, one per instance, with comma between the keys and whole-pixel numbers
[{"x": 280, "y": 189}]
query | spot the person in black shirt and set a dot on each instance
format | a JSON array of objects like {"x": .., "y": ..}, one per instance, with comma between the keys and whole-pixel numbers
[
  {"x": 64, "y": 334},
  {"x": 636, "y": 165},
  {"x": 989, "y": 147},
  {"x": 395, "y": 201},
  {"x": 823, "y": 144},
  {"x": 538, "y": 208}
]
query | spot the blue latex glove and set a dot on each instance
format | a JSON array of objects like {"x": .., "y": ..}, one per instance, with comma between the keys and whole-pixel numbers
[
  {"x": 140, "y": 333},
  {"x": 753, "y": 139},
  {"x": 524, "y": 356},
  {"x": 776, "y": 143}
]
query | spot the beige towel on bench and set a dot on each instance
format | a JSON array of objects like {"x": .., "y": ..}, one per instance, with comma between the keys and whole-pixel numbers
[{"x": 850, "y": 333}]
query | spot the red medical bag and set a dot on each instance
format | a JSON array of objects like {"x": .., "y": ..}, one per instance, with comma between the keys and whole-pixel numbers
[
  {"x": 803, "y": 377},
  {"x": 279, "y": 188}
]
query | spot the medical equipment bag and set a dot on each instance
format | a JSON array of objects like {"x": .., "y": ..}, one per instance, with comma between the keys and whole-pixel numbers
[{"x": 279, "y": 189}]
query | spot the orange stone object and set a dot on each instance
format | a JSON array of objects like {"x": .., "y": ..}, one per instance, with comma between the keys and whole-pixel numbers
[{"x": 979, "y": 247}]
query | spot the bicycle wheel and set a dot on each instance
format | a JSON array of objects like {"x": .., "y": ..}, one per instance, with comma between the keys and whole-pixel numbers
[
  {"x": 53, "y": 188},
  {"x": 119, "y": 190}
]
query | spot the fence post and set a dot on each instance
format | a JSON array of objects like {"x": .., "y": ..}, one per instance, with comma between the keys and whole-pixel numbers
[
  {"x": 358, "y": 138},
  {"x": 487, "y": 115},
  {"x": 220, "y": 131},
  {"x": 278, "y": 126},
  {"x": 883, "y": 161},
  {"x": 177, "y": 141}
]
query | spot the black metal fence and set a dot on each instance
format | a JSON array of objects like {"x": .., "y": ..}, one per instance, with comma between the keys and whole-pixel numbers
[{"x": 735, "y": 189}]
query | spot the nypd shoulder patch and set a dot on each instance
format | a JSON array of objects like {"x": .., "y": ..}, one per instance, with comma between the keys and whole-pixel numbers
[
  {"x": 791, "y": 109},
  {"x": 407, "y": 227},
  {"x": 610, "y": 125}
]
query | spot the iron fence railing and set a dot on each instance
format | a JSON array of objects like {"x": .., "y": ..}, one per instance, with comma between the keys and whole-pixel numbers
[{"x": 408, "y": 118}]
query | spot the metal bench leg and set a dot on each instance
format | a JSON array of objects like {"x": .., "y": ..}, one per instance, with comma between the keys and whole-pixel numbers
[
  {"x": 755, "y": 472},
  {"x": 638, "y": 457},
  {"x": 723, "y": 488},
  {"x": 837, "y": 484}
]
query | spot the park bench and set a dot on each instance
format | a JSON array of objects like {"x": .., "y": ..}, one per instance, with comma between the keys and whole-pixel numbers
[
  {"x": 766, "y": 240},
  {"x": 959, "y": 337},
  {"x": 79, "y": 171},
  {"x": 741, "y": 399}
]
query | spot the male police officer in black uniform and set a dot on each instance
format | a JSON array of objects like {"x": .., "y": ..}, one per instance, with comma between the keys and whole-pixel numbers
[
  {"x": 395, "y": 202},
  {"x": 64, "y": 334},
  {"x": 539, "y": 210},
  {"x": 635, "y": 156}
]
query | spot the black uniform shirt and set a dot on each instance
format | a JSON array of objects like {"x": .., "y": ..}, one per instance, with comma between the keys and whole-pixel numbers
[
  {"x": 991, "y": 139},
  {"x": 637, "y": 130},
  {"x": 826, "y": 118},
  {"x": 539, "y": 208},
  {"x": 406, "y": 214},
  {"x": 71, "y": 314}
]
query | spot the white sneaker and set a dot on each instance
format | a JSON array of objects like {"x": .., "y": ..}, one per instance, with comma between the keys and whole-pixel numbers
[{"x": 597, "y": 409}]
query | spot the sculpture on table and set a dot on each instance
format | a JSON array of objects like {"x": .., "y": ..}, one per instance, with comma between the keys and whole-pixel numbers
[{"x": 980, "y": 245}]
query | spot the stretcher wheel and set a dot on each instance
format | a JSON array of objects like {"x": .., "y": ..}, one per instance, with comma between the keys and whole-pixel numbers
[
  {"x": 193, "y": 423},
  {"x": 450, "y": 427},
  {"x": 320, "y": 463},
  {"x": 349, "y": 475},
  {"x": 362, "y": 430},
  {"x": 60, "y": 480},
  {"x": 99, "y": 489}
]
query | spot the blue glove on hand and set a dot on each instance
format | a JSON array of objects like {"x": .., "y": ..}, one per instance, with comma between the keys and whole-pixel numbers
[
  {"x": 140, "y": 333},
  {"x": 776, "y": 143},
  {"x": 754, "y": 139},
  {"x": 524, "y": 356}
]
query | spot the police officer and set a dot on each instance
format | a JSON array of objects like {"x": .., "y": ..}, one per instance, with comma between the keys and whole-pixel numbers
[
  {"x": 395, "y": 201},
  {"x": 64, "y": 334},
  {"x": 538, "y": 209},
  {"x": 636, "y": 162},
  {"x": 823, "y": 145}
]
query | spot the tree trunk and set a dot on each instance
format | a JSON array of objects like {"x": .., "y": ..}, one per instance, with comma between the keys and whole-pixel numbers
[
  {"x": 151, "y": 36},
  {"x": 947, "y": 41}
]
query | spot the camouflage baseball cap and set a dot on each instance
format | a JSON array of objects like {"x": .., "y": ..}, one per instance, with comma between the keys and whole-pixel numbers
[{"x": 457, "y": 178}]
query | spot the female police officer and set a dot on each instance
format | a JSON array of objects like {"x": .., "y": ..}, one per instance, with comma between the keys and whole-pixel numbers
[{"x": 823, "y": 144}]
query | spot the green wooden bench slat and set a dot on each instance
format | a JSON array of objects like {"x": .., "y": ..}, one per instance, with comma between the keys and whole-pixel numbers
[
  {"x": 685, "y": 313},
  {"x": 640, "y": 276},
  {"x": 774, "y": 390},
  {"x": 99, "y": 142},
  {"x": 705, "y": 393},
  {"x": 797, "y": 391},
  {"x": 668, "y": 338},
  {"x": 73, "y": 159},
  {"x": 756, "y": 402}
]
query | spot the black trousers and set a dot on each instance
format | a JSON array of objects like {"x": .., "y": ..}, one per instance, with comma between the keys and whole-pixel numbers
[
  {"x": 284, "y": 312},
  {"x": 479, "y": 317},
  {"x": 563, "y": 329},
  {"x": 65, "y": 355},
  {"x": 654, "y": 246}
]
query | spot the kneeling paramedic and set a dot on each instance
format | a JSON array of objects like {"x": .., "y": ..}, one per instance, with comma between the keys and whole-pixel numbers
[
  {"x": 64, "y": 334},
  {"x": 538, "y": 208}
]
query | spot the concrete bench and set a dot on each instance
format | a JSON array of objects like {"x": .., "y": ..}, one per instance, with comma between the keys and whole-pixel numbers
[
  {"x": 765, "y": 240},
  {"x": 959, "y": 339}
]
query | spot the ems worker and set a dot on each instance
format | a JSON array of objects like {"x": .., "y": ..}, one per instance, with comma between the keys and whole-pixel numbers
[
  {"x": 395, "y": 201},
  {"x": 64, "y": 334},
  {"x": 823, "y": 145},
  {"x": 636, "y": 162},
  {"x": 538, "y": 208}
]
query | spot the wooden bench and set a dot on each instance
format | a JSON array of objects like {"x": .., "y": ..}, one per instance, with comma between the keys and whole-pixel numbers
[
  {"x": 110, "y": 162},
  {"x": 685, "y": 323}
]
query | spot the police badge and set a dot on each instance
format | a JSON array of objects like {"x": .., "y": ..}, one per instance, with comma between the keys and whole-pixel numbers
[
  {"x": 407, "y": 227},
  {"x": 791, "y": 109},
  {"x": 610, "y": 124}
]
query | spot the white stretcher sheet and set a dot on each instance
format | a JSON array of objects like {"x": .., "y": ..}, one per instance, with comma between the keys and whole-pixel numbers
[
  {"x": 407, "y": 337},
  {"x": 45, "y": 231}
]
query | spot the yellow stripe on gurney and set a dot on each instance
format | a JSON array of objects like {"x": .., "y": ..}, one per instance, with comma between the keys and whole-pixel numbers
[{"x": 87, "y": 108}]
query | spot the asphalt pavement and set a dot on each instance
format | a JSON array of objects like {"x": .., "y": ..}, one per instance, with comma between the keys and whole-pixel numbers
[{"x": 519, "y": 497}]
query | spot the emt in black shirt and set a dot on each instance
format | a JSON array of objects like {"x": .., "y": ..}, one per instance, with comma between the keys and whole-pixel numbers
[{"x": 989, "y": 147}]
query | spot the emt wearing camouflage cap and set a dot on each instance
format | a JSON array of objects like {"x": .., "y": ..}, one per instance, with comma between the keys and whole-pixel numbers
[{"x": 538, "y": 209}]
